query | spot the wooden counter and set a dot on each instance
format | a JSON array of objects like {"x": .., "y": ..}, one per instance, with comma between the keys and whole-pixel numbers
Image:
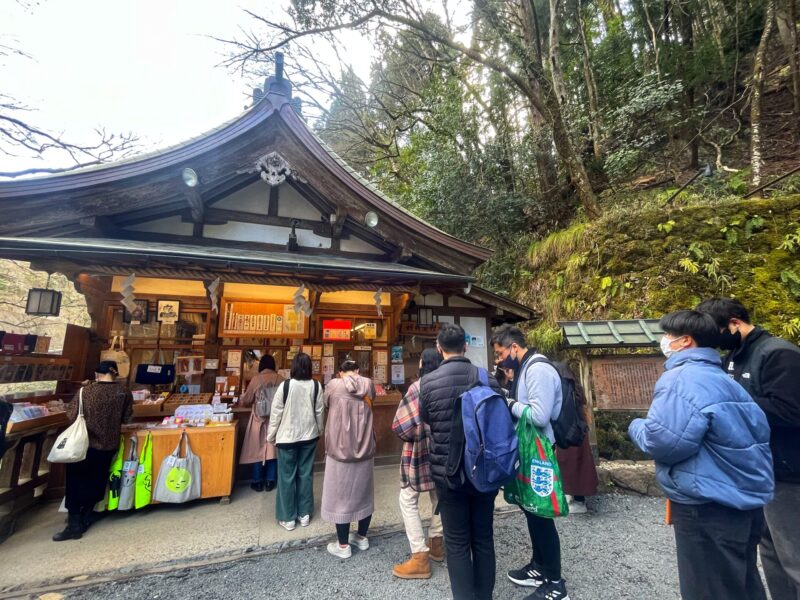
[{"x": 215, "y": 445}]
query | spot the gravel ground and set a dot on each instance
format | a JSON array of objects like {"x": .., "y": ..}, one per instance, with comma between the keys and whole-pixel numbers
[{"x": 621, "y": 550}]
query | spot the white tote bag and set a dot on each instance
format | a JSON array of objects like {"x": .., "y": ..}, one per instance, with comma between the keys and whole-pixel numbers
[
  {"x": 73, "y": 443},
  {"x": 118, "y": 356}
]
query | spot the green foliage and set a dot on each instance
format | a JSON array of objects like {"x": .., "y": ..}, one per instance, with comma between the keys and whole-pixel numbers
[
  {"x": 688, "y": 265},
  {"x": 739, "y": 182},
  {"x": 791, "y": 241},
  {"x": 623, "y": 269},
  {"x": 667, "y": 226},
  {"x": 612, "y": 435},
  {"x": 753, "y": 225},
  {"x": 792, "y": 281},
  {"x": 791, "y": 329},
  {"x": 557, "y": 246}
]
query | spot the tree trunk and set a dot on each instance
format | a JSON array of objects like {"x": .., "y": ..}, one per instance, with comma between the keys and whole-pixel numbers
[
  {"x": 714, "y": 13},
  {"x": 546, "y": 92},
  {"x": 756, "y": 158},
  {"x": 545, "y": 165},
  {"x": 687, "y": 39},
  {"x": 591, "y": 87},
  {"x": 575, "y": 166},
  {"x": 556, "y": 72},
  {"x": 653, "y": 41},
  {"x": 786, "y": 18}
]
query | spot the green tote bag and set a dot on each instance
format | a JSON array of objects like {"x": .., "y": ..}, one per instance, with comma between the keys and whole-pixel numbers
[
  {"x": 115, "y": 477},
  {"x": 537, "y": 488}
]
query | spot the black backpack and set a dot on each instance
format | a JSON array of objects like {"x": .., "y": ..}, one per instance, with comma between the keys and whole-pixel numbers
[{"x": 570, "y": 427}]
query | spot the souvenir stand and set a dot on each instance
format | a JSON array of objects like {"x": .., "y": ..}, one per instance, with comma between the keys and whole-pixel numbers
[{"x": 253, "y": 238}]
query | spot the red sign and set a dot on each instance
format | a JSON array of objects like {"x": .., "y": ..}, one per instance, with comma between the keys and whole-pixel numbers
[{"x": 338, "y": 330}]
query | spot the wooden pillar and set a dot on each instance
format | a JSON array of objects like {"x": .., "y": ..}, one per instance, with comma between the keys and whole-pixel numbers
[
  {"x": 586, "y": 383},
  {"x": 399, "y": 304}
]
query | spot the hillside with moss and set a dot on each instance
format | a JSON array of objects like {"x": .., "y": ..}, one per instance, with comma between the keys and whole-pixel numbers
[{"x": 644, "y": 259}]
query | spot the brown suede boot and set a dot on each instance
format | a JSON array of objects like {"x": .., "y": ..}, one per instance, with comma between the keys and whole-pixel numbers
[
  {"x": 417, "y": 567},
  {"x": 436, "y": 544}
]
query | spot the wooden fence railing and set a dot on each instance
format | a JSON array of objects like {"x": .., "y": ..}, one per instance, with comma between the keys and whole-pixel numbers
[{"x": 25, "y": 474}]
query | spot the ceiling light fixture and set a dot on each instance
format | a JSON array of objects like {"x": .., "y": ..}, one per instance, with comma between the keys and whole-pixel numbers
[
  {"x": 190, "y": 177},
  {"x": 371, "y": 219}
]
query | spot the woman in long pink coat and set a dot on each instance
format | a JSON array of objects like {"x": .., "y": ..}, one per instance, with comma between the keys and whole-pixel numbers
[{"x": 256, "y": 449}]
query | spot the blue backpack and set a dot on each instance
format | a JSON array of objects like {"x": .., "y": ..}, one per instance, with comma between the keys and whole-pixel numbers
[{"x": 490, "y": 438}]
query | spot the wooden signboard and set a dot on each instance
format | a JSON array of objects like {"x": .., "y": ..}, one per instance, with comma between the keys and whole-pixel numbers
[
  {"x": 625, "y": 382},
  {"x": 255, "y": 319}
]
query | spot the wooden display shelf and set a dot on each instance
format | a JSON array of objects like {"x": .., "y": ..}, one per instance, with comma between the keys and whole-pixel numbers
[
  {"x": 155, "y": 409},
  {"x": 425, "y": 331},
  {"x": 216, "y": 447},
  {"x": 259, "y": 319},
  {"x": 47, "y": 422},
  {"x": 31, "y": 368},
  {"x": 39, "y": 399},
  {"x": 34, "y": 359}
]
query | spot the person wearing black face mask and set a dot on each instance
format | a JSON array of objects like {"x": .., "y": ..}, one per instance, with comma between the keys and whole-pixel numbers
[
  {"x": 536, "y": 385},
  {"x": 767, "y": 367}
]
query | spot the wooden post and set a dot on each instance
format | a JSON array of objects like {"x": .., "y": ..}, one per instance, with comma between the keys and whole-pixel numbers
[{"x": 586, "y": 382}]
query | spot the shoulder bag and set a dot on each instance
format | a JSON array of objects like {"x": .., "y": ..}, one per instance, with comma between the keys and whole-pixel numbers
[
  {"x": 179, "y": 477},
  {"x": 119, "y": 356},
  {"x": 73, "y": 443}
]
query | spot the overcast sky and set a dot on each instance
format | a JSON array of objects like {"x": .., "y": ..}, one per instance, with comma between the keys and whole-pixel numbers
[{"x": 144, "y": 66}]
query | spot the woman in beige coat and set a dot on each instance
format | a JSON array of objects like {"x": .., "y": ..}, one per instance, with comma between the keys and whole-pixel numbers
[
  {"x": 348, "y": 490},
  {"x": 296, "y": 424},
  {"x": 256, "y": 449}
]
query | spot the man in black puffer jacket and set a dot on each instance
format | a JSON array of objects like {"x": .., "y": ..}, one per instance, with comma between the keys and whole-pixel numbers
[
  {"x": 768, "y": 368},
  {"x": 467, "y": 515}
]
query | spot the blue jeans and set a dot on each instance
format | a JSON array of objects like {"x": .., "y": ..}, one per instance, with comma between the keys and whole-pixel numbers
[{"x": 268, "y": 472}]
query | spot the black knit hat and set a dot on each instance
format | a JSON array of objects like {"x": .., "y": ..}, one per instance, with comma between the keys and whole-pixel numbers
[{"x": 106, "y": 367}]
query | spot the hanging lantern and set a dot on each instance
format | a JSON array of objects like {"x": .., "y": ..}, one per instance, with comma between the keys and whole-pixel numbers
[{"x": 43, "y": 302}]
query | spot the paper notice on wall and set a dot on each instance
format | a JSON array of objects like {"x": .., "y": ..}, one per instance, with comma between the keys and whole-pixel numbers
[
  {"x": 379, "y": 375},
  {"x": 382, "y": 357},
  {"x": 292, "y": 321},
  {"x": 398, "y": 374},
  {"x": 397, "y": 354},
  {"x": 234, "y": 359},
  {"x": 327, "y": 350},
  {"x": 327, "y": 368}
]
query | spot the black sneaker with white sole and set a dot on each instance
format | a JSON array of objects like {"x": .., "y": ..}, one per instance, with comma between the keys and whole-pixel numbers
[
  {"x": 527, "y": 576},
  {"x": 550, "y": 590}
]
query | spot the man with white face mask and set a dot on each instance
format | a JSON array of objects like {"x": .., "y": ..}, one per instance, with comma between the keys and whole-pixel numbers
[{"x": 710, "y": 442}]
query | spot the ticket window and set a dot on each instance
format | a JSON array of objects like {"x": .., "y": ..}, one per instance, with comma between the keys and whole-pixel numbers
[{"x": 362, "y": 357}]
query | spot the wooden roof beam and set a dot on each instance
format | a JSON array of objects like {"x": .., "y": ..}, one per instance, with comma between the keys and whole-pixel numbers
[{"x": 196, "y": 207}]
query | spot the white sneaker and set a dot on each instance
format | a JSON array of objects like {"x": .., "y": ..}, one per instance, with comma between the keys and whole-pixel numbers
[
  {"x": 304, "y": 521},
  {"x": 362, "y": 543},
  {"x": 577, "y": 508},
  {"x": 287, "y": 525},
  {"x": 335, "y": 549}
]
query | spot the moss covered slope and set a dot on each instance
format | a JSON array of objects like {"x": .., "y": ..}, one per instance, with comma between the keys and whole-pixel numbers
[{"x": 648, "y": 261}]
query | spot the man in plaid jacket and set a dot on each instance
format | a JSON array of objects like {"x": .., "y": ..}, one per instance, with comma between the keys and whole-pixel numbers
[{"x": 416, "y": 478}]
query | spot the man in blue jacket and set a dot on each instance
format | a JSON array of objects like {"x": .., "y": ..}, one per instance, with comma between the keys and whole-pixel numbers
[{"x": 710, "y": 442}]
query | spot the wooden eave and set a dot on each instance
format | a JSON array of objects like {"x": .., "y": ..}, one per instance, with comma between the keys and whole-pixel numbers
[{"x": 150, "y": 187}]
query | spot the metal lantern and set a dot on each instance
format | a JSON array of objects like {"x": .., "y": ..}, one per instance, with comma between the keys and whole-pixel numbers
[{"x": 43, "y": 303}]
